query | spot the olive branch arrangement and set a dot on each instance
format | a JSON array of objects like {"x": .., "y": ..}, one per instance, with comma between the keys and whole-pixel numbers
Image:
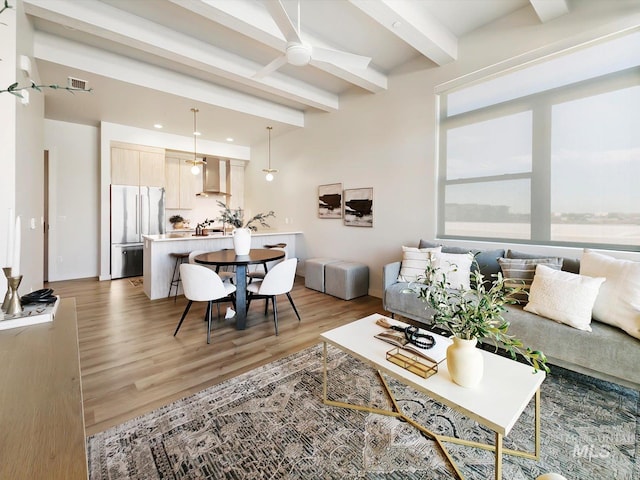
[
  {"x": 476, "y": 312},
  {"x": 16, "y": 89},
  {"x": 235, "y": 217}
]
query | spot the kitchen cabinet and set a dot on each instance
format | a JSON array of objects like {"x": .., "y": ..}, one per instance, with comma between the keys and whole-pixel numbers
[
  {"x": 180, "y": 182},
  {"x": 137, "y": 165}
]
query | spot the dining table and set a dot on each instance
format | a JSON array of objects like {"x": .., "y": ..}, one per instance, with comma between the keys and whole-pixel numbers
[{"x": 256, "y": 256}]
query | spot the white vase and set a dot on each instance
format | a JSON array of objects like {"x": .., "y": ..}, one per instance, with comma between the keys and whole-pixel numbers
[
  {"x": 241, "y": 241},
  {"x": 465, "y": 362}
]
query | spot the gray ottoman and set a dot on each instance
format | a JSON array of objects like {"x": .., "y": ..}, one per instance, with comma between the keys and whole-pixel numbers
[
  {"x": 314, "y": 272},
  {"x": 346, "y": 280}
]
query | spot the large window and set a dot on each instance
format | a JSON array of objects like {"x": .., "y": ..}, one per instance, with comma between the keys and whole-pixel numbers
[{"x": 548, "y": 154}]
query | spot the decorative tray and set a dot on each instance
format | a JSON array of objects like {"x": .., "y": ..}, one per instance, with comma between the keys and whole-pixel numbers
[
  {"x": 32, "y": 314},
  {"x": 411, "y": 362}
]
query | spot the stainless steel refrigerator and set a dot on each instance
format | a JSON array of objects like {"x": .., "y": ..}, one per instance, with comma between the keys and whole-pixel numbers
[{"x": 135, "y": 211}]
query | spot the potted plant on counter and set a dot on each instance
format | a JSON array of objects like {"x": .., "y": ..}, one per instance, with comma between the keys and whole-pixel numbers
[
  {"x": 472, "y": 315},
  {"x": 242, "y": 230},
  {"x": 177, "y": 221}
]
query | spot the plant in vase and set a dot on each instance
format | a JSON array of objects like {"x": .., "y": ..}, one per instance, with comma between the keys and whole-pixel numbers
[
  {"x": 242, "y": 230},
  {"x": 472, "y": 315},
  {"x": 177, "y": 221},
  {"x": 235, "y": 217}
]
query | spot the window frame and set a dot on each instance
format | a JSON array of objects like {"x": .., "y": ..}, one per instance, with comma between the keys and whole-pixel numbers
[{"x": 540, "y": 104}]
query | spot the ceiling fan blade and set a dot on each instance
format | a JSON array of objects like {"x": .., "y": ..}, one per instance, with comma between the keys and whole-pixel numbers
[
  {"x": 271, "y": 67},
  {"x": 284, "y": 23},
  {"x": 340, "y": 58}
]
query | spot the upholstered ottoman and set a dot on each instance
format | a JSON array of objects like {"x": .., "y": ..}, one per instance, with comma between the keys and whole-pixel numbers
[
  {"x": 346, "y": 280},
  {"x": 314, "y": 273}
]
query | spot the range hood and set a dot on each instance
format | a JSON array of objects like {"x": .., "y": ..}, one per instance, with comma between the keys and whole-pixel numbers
[{"x": 215, "y": 176}]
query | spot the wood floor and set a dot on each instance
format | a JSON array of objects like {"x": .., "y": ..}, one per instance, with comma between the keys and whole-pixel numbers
[{"x": 131, "y": 363}]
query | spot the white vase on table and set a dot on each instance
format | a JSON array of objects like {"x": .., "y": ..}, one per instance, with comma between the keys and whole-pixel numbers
[
  {"x": 241, "y": 241},
  {"x": 465, "y": 362}
]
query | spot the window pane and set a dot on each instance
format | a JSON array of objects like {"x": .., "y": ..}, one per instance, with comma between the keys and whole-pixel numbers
[
  {"x": 493, "y": 147},
  {"x": 614, "y": 55},
  {"x": 595, "y": 165},
  {"x": 489, "y": 209}
]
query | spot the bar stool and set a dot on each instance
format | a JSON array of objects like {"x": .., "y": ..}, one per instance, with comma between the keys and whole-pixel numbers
[{"x": 175, "y": 277}]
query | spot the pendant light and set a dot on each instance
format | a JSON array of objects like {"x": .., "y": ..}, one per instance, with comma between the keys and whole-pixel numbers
[
  {"x": 269, "y": 171},
  {"x": 195, "y": 169}
]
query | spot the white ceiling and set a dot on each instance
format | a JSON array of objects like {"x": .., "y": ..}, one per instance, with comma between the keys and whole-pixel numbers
[{"x": 150, "y": 61}]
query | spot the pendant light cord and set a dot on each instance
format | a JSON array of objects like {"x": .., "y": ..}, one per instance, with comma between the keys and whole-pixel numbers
[
  {"x": 269, "y": 145},
  {"x": 195, "y": 129}
]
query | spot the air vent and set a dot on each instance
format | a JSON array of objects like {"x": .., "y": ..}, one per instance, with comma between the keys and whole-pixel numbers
[{"x": 77, "y": 83}]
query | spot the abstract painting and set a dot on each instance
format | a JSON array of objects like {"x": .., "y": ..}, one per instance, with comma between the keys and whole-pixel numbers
[
  {"x": 358, "y": 207},
  {"x": 330, "y": 201}
]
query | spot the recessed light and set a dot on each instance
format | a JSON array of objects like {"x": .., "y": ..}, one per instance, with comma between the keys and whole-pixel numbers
[
  {"x": 229, "y": 139},
  {"x": 157, "y": 125},
  {"x": 197, "y": 134}
]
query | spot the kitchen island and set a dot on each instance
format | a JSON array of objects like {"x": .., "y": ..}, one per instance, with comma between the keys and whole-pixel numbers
[{"x": 158, "y": 264}]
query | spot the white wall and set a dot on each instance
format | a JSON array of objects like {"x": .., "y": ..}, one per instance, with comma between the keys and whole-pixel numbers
[
  {"x": 8, "y": 106},
  {"x": 387, "y": 141},
  {"x": 74, "y": 213},
  {"x": 21, "y": 153}
]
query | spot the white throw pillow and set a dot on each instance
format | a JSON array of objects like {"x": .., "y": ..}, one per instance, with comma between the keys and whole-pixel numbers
[
  {"x": 414, "y": 262},
  {"x": 564, "y": 297},
  {"x": 456, "y": 267},
  {"x": 618, "y": 301}
]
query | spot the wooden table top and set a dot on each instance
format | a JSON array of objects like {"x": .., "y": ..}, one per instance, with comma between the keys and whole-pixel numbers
[
  {"x": 41, "y": 418},
  {"x": 229, "y": 257}
]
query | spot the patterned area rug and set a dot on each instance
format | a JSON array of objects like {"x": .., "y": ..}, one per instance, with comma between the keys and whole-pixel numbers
[{"x": 270, "y": 423}]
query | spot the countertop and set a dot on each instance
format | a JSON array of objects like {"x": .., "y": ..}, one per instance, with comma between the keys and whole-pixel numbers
[
  {"x": 175, "y": 236},
  {"x": 41, "y": 402}
]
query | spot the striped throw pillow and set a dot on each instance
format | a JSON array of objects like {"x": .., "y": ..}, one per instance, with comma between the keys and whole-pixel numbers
[
  {"x": 519, "y": 272},
  {"x": 414, "y": 262}
]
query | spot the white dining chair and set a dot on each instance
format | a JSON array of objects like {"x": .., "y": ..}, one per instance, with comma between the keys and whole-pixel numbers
[
  {"x": 201, "y": 284},
  {"x": 278, "y": 281},
  {"x": 224, "y": 275},
  {"x": 262, "y": 269}
]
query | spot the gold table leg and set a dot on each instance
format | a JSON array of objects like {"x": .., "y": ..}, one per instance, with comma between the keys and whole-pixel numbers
[{"x": 440, "y": 439}]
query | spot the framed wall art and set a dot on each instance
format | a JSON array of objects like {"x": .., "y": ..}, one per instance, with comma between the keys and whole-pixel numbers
[
  {"x": 358, "y": 207},
  {"x": 330, "y": 201}
]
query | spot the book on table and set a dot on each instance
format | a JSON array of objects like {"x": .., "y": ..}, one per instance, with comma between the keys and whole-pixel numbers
[{"x": 435, "y": 354}]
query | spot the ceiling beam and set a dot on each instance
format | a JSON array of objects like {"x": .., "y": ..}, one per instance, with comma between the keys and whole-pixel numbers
[
  {"x": 547, "y": 10},
  {"x": 250, "y": 19},
  {"x": 104, "y": 21},
  {"x": 410, "y": 21},
  {"x": 75, "y": 55}
]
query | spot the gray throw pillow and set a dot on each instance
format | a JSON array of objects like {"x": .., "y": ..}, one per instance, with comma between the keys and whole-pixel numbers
[
  {"x": 519, "y": 272},
  {"x": 571, "y": 265}
]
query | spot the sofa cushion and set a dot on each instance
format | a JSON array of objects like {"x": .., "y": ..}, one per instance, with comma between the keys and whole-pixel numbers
[
  {"x": 414, "y": 262},
  {"x": 571, "y": 265},
  {"x": 456, "y": 268},
  {"x": 487, "y": 260},
  {"x": 606, "y": 349},
  {"x": 406, "y": 304},
  {"x": 564, "y": 297},
  {"x": 519, "y": 273},
  {"x": 618, "y": 301}
]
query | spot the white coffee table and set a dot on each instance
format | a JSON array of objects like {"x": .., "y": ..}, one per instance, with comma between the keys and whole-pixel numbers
[{"x": 497, "y": 402}]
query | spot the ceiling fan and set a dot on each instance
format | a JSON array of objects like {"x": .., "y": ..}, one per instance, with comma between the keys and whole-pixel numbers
[{"x": 299, "y": 53}]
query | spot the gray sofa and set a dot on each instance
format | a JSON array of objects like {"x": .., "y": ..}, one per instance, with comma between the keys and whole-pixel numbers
[{"x": 607, "y": 352}]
